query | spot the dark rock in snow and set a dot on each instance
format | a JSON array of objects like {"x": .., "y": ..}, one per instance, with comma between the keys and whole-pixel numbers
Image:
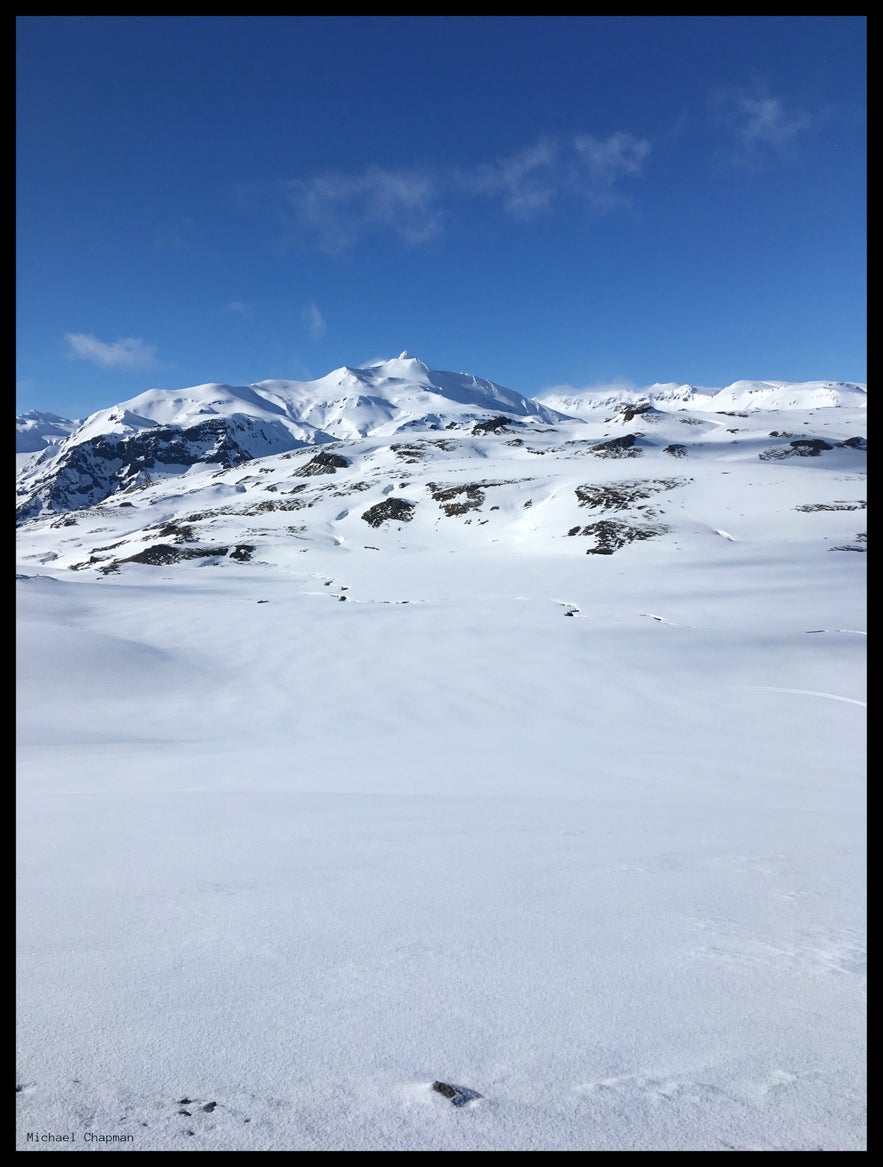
[
  {"x": 494, "y": 425},
  {"x": 630, "y": 412},
  {"x": 612, "y": 534},
  {"x": 391, "y": 509},
  {"x": 810, "y": 447},
  {"x": 161, "y": 554},
  {"x": 458, "y": 1095},
  {"x": 243, "y": 552},
  {"x": 457, "y": 500},
  {"x": 323, "y": 463},
  {"x": 623, "y": 447},
  {"x": 676, "y": 451}
]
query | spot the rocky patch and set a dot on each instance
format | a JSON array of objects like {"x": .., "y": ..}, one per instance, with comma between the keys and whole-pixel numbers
[
  {"x": 623, "y": 447},
  {"x": 456, "y": 1095},
  {"x": 322, "y": 463},
  {"x": 629, "y": 412},
  {"x": 177, "y": 532},
  {"x": 390, "y": 510},
  {"x": 861, "y": 537},
  {"x": 163, "y": 554},
  {"x": 801, "y": 448},
  {"x": 810, "y": 447},
  {"x": 458, "y": 500},
  {"x": 242, "y": 552},
  {"x": 612, "y": 534},
  {"x": 676, "y": 450},
  {"x": 495, "y": 425},
  {"x": 352, "y": 488},
  {"x": 837, "y": 505},
  {"x": 273, "y": 504},
  {"x": 621, "y": 496},
  {"x": 410, "y": 451}
]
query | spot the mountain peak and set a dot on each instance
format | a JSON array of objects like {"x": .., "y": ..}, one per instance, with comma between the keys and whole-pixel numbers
[{"x": 404, "y": 355}]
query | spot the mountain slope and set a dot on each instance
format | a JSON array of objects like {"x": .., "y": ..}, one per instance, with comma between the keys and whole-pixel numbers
[{"x": 166, "y": 432}]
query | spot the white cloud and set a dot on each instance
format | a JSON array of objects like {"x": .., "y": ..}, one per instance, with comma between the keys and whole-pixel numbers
[
  {"x": 531, "y": 180},
  {"x": 240, "y": 308},
  {"x": 526, "y": 180},
  {"x": 758, "y": 126},
  {"x": 314, "y": 321},
  {"x": 340, "y": 208},
  {"x": 767, "y": 122},
  {"x": 602, "y": 162},
  {"x": 127, "y": 353}
]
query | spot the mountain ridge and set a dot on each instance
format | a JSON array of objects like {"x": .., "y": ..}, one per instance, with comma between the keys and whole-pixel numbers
[{"x": 163, "y": 442}]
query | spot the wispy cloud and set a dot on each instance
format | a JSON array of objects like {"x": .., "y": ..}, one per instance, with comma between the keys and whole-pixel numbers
[
  {"x": 758, "y": 126},
  {"x": 602, "y": 162},
  {"x": 526, "y": 181},
  {"x": 239, "y": 308},
  {"x": 340, "y": 208},
  {"x": 315, "y": 322},
  {"x": 582, "y": 167},
  {"x": 127, "y": 353},
  {"x": 336, "y": 210}
]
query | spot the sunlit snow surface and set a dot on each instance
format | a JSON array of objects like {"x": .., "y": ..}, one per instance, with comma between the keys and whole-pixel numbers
[{"x": 302, "y": 857}]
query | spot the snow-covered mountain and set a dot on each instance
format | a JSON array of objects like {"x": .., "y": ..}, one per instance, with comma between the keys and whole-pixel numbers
[
  {"x": 35, "y": 431},
  {"x": 165, "y": 432},
  {"x": 219, "y": 471},
  {"x": 741, "y": 395}
]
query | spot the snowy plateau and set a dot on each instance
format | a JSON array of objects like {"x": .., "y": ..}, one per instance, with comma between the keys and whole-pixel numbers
[{"x": 405, "y": 764}]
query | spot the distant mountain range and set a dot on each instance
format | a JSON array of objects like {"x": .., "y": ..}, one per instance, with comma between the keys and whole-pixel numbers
[
  {"x": 34, "y": 431},
  {"x": 741, "y": 395},
  {"x": 216, "y": 471}
]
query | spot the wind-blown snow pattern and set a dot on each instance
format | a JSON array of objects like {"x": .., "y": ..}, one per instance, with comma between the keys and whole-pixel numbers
[{"x": 405, "y": 766}]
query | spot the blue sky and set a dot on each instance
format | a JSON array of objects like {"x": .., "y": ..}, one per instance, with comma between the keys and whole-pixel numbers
[{"x": 539, "y": 201}]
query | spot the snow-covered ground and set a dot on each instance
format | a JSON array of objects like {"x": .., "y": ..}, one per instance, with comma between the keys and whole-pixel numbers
[{"x": 300, "y": 858}]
